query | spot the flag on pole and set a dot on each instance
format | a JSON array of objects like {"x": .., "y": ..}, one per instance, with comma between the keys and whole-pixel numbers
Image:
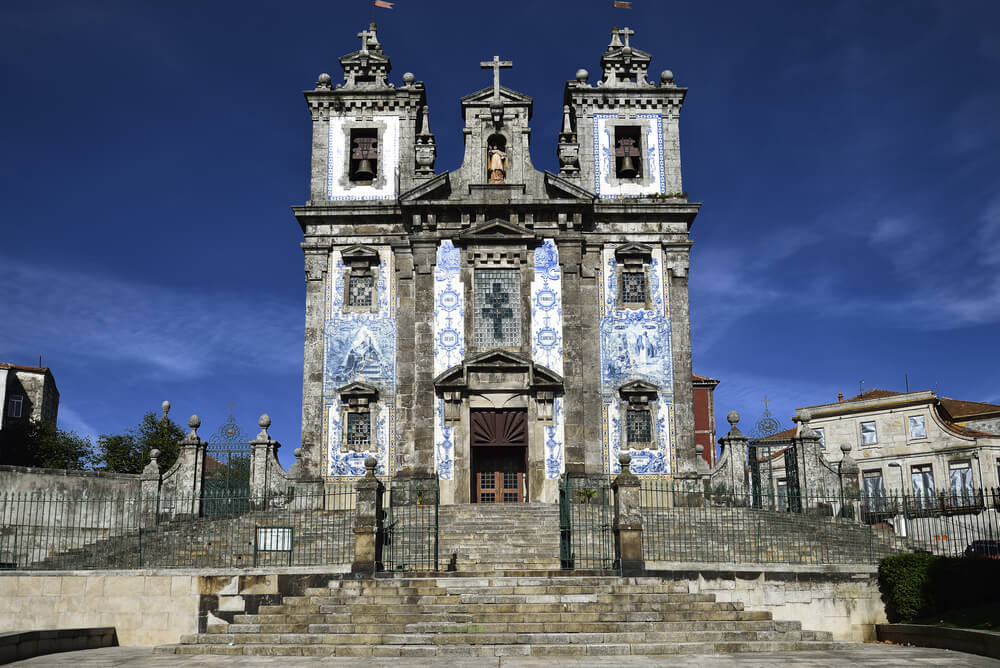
[
  {"x": 383, "y": 3},
  {"x": 622, "y": 4}
]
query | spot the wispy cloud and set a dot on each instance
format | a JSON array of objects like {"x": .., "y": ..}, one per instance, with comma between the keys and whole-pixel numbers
[{"x": 174, "y": 334}]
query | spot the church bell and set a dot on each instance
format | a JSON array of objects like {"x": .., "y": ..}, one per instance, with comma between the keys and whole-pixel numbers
[
  {"x": 628, "y": 169},
  {"x": 364, "y": 170}
]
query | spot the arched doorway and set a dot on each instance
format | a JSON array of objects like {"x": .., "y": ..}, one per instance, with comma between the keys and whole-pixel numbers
[{"x": 499, "y": 453}]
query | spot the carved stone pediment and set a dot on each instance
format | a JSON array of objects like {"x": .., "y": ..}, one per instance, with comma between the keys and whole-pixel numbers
[
  {"x": 638, "y": 391},
  {"x": 507, "y": 97},
  {"x": 357, "y": 391},
  {"x": 633, "y": 252},
  {"x": 501, "y": 369},
  {"x": 497, "y": 231},
  {"x": 359, "y": 255},
  {"x": 439, "y": 186}
]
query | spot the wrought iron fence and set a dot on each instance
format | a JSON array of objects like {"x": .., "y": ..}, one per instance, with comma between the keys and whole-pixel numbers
[
  {"x": 586, "y": 531},
  {"x": 46, "y": 531},
  {"x": 408, "y": 540}
]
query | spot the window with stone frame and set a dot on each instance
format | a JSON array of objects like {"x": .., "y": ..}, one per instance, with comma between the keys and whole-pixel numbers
[
  {"x": 637, "y": 411},
  {"x": 632, "y": 272},
  {"x": 917, "y": 426},
  {"x": 960, "y": 483},
  {"x": 638, "y": 430},
  {"x": 869, "y": 436},
  {"x": 922, "y": 479},
  {"x": 497, "y": 303},
  {"x": 820, "y": 431},
  {"x": 361, "y": 267},
  {"x": 359, "y": 409}
]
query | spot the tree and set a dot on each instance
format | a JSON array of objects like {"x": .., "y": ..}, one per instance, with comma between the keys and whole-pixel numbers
[
  {"x": 129, "y": 452},
  {"x": 44, "y": 445}
]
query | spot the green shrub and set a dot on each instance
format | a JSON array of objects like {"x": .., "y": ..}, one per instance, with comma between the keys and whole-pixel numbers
[
  {"x": 905, "y": 583},
  {"x": 920, "y": 585}
]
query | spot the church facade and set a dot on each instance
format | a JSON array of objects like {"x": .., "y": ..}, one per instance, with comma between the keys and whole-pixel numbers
[{"x": 496, "y": 326}]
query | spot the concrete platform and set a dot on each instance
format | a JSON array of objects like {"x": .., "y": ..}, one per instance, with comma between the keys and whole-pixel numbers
[{"x": 869, "y": 655}]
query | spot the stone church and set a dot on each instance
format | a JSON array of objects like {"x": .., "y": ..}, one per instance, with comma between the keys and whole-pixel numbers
[{"x": 496, "y": 326}]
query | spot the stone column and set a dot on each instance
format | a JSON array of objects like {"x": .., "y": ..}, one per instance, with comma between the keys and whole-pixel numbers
[
  {"x": 263, "y": 450},
  {"x": 811, "y": 476},
  {"x": 188, "y": 472},
  {"x": 150, "y": 490},
  {"x": 424, "y": 259},
  {"x": 405, "y": 358},
  {"x": 628, "y": 520},
  {"x": 367, "y": 522},
  {"x": 680, "y": 340},
  {"x": 317, "y": 262},
  {"x": 575, "y": 358},
  {"x": 850, "y": 490}
]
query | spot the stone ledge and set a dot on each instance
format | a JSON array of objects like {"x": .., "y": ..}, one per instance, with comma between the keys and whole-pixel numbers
[
  {"x": 27, "y": 644},
  {"x": 970, "y": 641},
  {"x": 751, "y": 571}
]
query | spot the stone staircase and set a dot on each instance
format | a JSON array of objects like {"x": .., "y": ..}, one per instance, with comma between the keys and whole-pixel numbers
[
  {"x": 491, "y": 615},
  {"x": 499, "y": 537}
]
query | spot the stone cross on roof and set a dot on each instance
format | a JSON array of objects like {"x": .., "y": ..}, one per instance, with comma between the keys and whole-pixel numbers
[
  {"x": 496, "y": 64},
  {"x": 626, "y": 33},
  {"x": 364, "y": 35}
]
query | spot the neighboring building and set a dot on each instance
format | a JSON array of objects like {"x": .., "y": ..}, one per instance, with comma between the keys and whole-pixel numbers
[
  {"x": 496, "y": 326},
  {"x": 912, "y": 442},
  {"x": 27, "y": 393},
  {"x": 704, "y": 416}
]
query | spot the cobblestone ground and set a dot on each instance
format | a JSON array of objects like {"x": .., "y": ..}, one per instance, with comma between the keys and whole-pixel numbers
[{"x": 870, "y": 656}]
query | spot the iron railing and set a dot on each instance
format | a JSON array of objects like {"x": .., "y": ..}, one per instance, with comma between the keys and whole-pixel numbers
[
  {"x": 586, "y": 532},
  {"x": 46, "y": 531},
  {"x": 408, "y": 539}
]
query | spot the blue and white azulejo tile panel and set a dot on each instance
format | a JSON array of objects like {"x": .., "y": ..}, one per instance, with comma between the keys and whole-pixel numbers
[
  {"x": 636, "y": 345},
  {"x": 449, "y": 309},
  {"x": 547, "y": 343},
  {"x": 449, "y": 345},
  {"x": 360, "y": 347},
  {"x": 338, "y": 187}
]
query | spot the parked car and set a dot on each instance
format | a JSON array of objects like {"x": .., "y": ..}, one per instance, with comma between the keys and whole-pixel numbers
[{"x": 983, "y": 549}]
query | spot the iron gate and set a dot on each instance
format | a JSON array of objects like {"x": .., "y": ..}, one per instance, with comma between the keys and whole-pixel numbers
[
  {"x": 225, "y": 483},
  {"x": 586, "y": 530}
]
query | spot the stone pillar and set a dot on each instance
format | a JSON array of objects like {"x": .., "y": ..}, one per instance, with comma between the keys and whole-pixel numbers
[
  {"x": 424, "y": 259},
  {"x": 368, "y": 522},
  {"x": 317, "y": 263},
  {"x": 680, "y": 340},
  {"x": 628, "y": 520},
  {"x": 189, "y": 471},
  {"x": 405, "y": 359},
  {"x": 575, "y": 358},
  {"x": 732, "y": 466},
  {"x": 811, "y": 476},
  {"x": 263, "y": 451},
  {"x": 150, "y": 490},
  {"x": 850, "y": 491}
]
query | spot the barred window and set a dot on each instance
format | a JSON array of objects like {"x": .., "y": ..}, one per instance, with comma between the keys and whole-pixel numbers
[
  {"x": 497, "y": 308},
  {"x": 637, "y": 427},
  {"x": 633, "y": 287},
  {"x": 359, "y": 428},
  {"x": 359, "y": 290}
]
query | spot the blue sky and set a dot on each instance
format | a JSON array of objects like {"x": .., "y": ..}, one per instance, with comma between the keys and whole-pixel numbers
[{"x": 847, "y": 155}]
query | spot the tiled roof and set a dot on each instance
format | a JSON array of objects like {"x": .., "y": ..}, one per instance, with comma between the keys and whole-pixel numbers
[
  {"x": 959, "y": 409},
  {"x": 780, "y": 436},
  {"x": 21, "y": 367},
  {"x": 702, "y": 379},
  {"x": 874, "y": 394}
]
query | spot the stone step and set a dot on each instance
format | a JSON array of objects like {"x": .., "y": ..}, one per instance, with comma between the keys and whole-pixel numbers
[{"x": 581, "y": 649}]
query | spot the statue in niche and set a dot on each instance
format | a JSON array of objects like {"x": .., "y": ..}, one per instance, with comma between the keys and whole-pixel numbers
[{"x": 496, "y": 161}]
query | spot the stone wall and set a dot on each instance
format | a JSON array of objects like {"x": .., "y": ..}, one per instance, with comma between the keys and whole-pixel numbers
[
  {"x": 842, "y": 600},
  {"x": 146, "y": 608},
  {"x": 27, "y": 480}
]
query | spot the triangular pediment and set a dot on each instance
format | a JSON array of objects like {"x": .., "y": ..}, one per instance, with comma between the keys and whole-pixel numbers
[
  {"x": 360, "y": 253},
  {"x": 633, "y": 250},
  {"x": 499, "y": 361},
  {"x": 638, "y": 387},
  {"x": 562, "y": 186},
  {"x": 439, "y": 186},
  {"x": 507, "y": 96},
  {"x": 358, "y": 390},
  {"x": 495, "y": 231}
]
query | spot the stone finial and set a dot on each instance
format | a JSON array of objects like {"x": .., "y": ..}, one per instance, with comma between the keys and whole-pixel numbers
[
  {"x": 154, "y": 454},
  {"x": 700, "y": 449},
  {"x": 324, "y": 82},
  {"x": 804, "y": 418},
  {"x": 297, "y": 452},
  {"x": 845, "y": 449},
  {"x": 408, "y": 78},
  {"x": 194, "y": 422},
  {"x": 582, "y": 75},
  {"x": 425, "y": 120},
  {"x": 625, "y": 459},
  {"x": 165, "y": 407},
  {"x": 152, "y": 470},
  {"x": 264, "y": 422},
  {"x": 370, "y": 464},
  {"x": 667, "y": 78},
  {"x": 733, "y": 418},
  {"x": 615, "y": 38}
]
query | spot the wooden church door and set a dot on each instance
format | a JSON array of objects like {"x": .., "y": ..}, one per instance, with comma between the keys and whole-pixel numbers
[{"x": 499, "y": 455}]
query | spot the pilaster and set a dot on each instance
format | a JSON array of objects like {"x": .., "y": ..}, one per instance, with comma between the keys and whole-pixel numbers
[{"x": 317, "y": 263}]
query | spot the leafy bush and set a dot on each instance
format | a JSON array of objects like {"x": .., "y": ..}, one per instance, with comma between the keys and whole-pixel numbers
[
  {"x": 920, "y": 585},
  {"x": 904, "y": 580}
]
